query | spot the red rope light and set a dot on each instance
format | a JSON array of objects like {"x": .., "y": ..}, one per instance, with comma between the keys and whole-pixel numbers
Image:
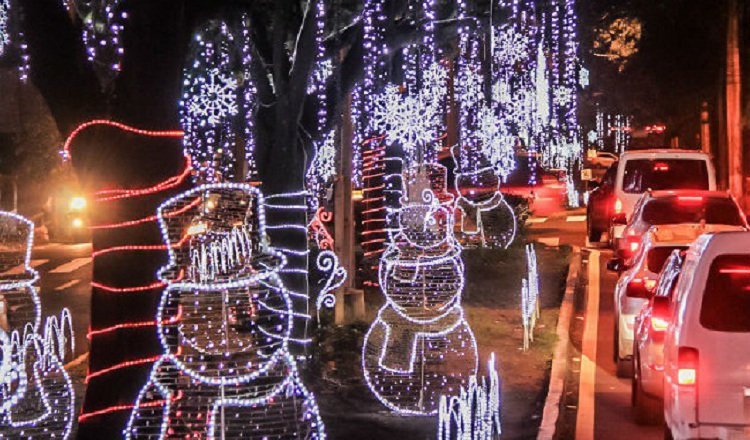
[
  {"x": 118, "y": 194},
  {"x": 85, "y": 416},
  {"x": 122, "y": 365},
  {"x": 148, "y": 219},
  {"x": 152, "y": 286},
  {"x": 121, "y": 126}
]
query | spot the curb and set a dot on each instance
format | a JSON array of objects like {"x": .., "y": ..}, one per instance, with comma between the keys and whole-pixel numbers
[
  {"x": 77, "y": 361},
  {"x": 560, "y": 358}
]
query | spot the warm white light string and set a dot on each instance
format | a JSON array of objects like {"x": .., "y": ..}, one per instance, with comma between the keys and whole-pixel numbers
[
  {"x": 474, "y": 413},
  {"x": 226, "y": 362}
]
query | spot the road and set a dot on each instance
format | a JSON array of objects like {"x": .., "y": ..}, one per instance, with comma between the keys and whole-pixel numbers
[
  {"x": 65, "y": 281},
  {"x": 597, "y": 405}
]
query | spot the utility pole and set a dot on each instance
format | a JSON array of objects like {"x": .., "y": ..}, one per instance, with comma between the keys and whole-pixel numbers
[
  {"x": 733, "y": 103},
  {"x": 705, "y": 129},
  {"x": 344, "y": 222}
]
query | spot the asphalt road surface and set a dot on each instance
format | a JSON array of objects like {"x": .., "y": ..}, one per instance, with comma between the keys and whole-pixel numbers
[{"x": 602, "y": 404}]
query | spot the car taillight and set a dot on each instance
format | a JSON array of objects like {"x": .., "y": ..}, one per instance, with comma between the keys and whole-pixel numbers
[
  {"x": 687, "y": 366},
  {"x": 634, "y": 245},
  {"x": 659, "y": 324},
  {"x": 618, "y": 206},
  {"x": 649, "y": 284}
]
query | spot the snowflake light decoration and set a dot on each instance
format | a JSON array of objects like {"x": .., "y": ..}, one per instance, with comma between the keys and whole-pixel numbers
[
  {"x": 323, "y": 168},
  {"x": 214, "y": 97},
  {"x": 497, "y": 143},
  {"x": 511, "y": 46},
  {"x": 564, "y": 96},
  {"x": 218, "y": 102},
  {"x": 4, "y": 23},
  {"x": 412, "y": 118}
]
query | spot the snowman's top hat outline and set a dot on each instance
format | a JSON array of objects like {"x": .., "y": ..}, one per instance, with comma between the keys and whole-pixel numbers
[
  {"x": 265, "y": 264},
  {"x": 29, "y": 275}
]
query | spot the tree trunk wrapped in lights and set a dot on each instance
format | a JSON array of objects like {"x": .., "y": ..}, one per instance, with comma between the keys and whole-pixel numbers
[
  {"x": 420, "y": 345},
  {"x": 224, "y": 324}
]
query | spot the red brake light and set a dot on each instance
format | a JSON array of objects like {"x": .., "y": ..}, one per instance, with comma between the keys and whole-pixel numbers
[
  {"x": 618, "y": 206},
  {"x": 650, "y": 284},
  {"x": 634, "y": 245},
  {"x": 687, "y": 366},
  {"x": 690, "y": 199},
  {"x": 659, "y": 324},
  {"x": 661, "y": 166}
]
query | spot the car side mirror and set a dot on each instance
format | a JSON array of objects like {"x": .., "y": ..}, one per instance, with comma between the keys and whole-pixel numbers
[
  {"x": 616, "y": 265},
  {"x": 620, "y": 219}
]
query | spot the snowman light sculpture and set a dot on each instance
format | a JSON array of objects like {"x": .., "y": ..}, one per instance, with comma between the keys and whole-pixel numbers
[
  {"x": 483, "y": 211},
  {"x": 36, "y": 394},
  {"x": 420, "y": 345},
  {"x": 224, "y": 322}
]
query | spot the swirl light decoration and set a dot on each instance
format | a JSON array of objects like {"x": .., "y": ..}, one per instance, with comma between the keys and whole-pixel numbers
[
  {"x": 473, "y": 414},
  {"x": 420, "y": 346},
  {"x": 36, "y": 394},
  {"x": 224, "y": 324}
]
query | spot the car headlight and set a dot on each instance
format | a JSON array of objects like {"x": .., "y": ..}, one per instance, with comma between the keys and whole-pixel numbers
[{"x": 77, "y": 203}]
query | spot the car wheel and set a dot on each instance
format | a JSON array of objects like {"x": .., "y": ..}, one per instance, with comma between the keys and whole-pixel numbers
[
  {"x": 624, "y": 367},
  {"x": 667, "y": 433},
  {"x": 646, "y": 409}
]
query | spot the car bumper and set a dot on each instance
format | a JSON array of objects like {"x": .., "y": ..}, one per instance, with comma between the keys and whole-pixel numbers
[
  {"x": 626, "y": 331},
  {"x": 704, "y": 431}
]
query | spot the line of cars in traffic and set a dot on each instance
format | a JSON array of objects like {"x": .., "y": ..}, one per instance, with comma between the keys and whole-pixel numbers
[{"x": 682, "y": 300}]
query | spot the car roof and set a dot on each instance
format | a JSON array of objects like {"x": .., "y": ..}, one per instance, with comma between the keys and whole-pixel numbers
[
  {"x": 635, "y": 154},
  {"x": 734, "y": 242}
]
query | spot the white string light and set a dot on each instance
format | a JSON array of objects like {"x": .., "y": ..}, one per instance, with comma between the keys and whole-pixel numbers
[
  {"x": 474, "y": 413},
  {"x": 530, "y": 308},
  {"x": 36, "y": 394},
  {"x": 4, "y": 25},
  {"x": 224, "y": 326},
  {"x": 103, "y": 25}
]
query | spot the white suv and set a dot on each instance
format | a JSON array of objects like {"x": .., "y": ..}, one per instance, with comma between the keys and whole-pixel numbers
[
  {"x": 643, "y": 170},
  {"x": 707, "y": 344},
  {"x": 637, "y": 282}
]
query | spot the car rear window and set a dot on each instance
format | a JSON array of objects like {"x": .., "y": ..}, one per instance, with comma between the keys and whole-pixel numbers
[
  {"x": 659, "y": 174},
  {"x": 685, "y": 209},
  {"x": 658, "y": 256},
  {"x": 726, "y": 301}
]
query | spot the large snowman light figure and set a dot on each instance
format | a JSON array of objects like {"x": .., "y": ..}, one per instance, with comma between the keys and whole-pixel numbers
[
  {"x": 224, "y": 324},
  {"x": 36, "y": 394},
  {"x": 420, "y": 345}
]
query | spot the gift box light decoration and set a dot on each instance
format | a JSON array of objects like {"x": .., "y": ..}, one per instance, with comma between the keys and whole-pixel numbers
[
  {"x": 36, "y": 394},
  {"x": 224, "y": 323},
  {"x": 530, "y": 308},
  {"x": 420, "y": 346},
  {"x": 474, "y": 413},
  {"x": 484, "y": 216}
]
